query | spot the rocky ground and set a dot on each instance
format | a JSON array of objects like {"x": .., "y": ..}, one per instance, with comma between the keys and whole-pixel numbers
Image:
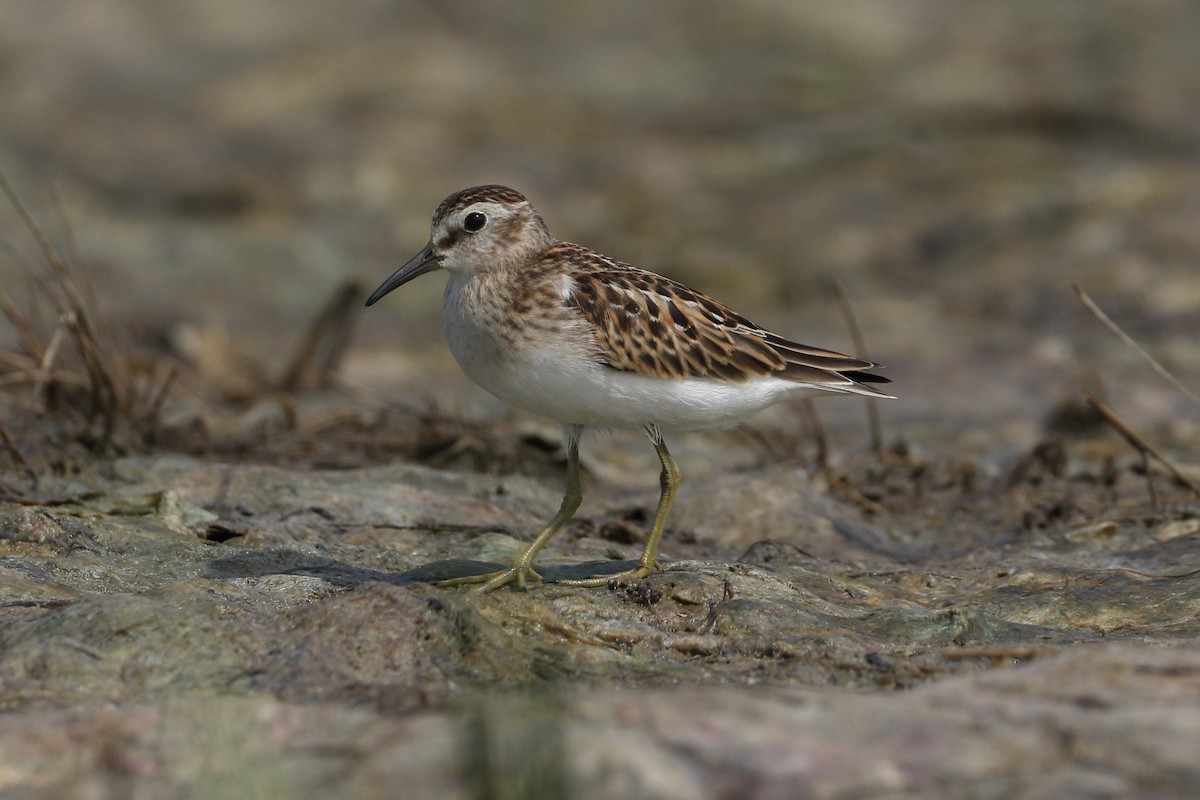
[{"x": 227, "y": 492}]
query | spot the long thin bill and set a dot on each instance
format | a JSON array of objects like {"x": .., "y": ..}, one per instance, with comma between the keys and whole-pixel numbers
[{"x": 422, "y": 262}]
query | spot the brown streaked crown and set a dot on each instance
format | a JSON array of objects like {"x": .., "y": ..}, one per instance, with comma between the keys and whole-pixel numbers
[{"x": 493, "y": 192}]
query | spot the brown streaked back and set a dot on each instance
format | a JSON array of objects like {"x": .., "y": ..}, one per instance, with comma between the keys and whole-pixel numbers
[{"x": 651, "y": 325}]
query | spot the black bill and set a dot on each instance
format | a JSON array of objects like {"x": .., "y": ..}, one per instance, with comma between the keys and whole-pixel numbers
[{"x": 425, "y": 261}]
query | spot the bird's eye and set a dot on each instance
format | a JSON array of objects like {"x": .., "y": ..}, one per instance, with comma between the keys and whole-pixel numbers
[{"x": 474, "y": 222}]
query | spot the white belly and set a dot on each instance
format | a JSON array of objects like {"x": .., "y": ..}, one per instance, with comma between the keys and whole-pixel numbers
[
  {"x": 599, "y": 396},
  {"x": 560, "y": 381}
]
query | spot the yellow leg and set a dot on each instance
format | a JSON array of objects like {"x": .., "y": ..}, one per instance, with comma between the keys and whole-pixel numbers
[
  {"x": 668, "y": 480},
  {"x": 522, "y": 568}
]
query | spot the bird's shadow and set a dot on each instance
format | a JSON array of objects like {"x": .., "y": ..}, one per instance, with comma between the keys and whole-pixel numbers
[{"x": 284, "y": 561}]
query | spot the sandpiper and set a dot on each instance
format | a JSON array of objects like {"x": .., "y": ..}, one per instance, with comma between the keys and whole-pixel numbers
[{"x": 565, "y": 332}]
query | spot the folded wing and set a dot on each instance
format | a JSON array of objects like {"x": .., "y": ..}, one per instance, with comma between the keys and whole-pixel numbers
[{"x": 651, "y": 325}]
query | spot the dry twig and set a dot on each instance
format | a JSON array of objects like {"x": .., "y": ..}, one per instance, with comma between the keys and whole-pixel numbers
[
  {"x": 325, "y": 342},
  {"x": 818, "y": 432},
  {"x": 1132, "y": 345},
  {"x": 860, "y": 348},
  {"x": 1138, "y": 443}
]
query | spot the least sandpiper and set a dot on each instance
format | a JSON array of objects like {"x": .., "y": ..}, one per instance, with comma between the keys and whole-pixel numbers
[{"x": 573, "y": 335}]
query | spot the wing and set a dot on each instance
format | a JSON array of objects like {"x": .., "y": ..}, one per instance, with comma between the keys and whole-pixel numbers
[{"x": 651, "y": 325}]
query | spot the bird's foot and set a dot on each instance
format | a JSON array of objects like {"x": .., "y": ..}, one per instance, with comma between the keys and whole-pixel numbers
[
  {"x": 519, "y": 573},
  {"x": 642, "y": 570}
]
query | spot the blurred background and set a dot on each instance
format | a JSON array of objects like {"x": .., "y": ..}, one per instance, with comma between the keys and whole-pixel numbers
[{"x": 223, "y": 167}]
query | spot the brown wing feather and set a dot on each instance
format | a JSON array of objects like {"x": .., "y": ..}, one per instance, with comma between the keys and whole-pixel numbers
[{"x": 650, "y": 325}]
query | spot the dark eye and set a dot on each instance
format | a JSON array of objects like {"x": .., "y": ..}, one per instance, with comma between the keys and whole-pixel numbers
[{"x": 474, "y": 222}]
